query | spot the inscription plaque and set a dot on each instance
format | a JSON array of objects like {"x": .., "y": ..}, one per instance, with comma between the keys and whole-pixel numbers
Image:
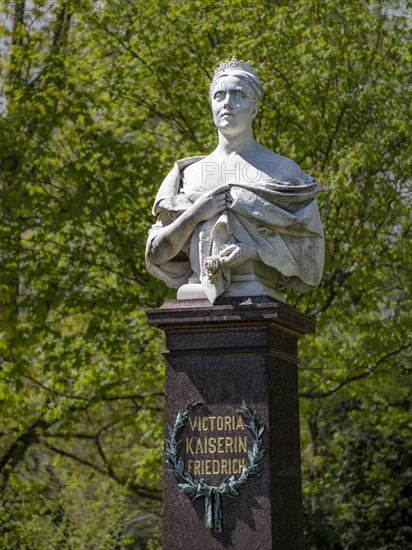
[
  {"x": 212, "y": 437},
  {"x": 213, "y": 446}
]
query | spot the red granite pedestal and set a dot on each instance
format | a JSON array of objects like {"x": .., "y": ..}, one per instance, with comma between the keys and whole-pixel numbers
[{"x": 240, "y": 349}]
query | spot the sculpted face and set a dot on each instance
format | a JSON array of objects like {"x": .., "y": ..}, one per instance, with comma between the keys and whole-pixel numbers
[{"x": 233, "y": 105}]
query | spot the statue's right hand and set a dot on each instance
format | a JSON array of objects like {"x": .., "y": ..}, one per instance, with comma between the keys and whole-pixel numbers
[{"x": 211, "y": 203}]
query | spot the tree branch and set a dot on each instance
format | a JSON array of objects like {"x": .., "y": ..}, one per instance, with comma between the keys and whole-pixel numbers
[
  {"x": 349, "y": 379},
  {"x": 152, "y": 494},
  {"x": 18, "y": 448}
]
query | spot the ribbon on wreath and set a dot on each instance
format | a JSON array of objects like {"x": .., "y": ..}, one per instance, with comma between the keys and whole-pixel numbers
[{"x": 213, "y": 510}]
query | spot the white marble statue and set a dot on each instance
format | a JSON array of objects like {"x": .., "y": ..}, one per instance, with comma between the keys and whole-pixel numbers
[{"x": 242, "y": 221}]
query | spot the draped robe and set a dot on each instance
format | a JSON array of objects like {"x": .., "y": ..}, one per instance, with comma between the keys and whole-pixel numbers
[{"x": 278, "y": 219}]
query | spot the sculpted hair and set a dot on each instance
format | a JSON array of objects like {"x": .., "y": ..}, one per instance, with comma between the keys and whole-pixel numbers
[{"x": 244, "y": 71}]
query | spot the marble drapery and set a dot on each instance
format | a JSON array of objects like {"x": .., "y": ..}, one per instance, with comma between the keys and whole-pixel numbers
[{"x": 278, "y": 219}]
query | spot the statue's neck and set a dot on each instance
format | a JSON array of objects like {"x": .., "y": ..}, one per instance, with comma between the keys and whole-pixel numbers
[{"x": 239, "y": 144}]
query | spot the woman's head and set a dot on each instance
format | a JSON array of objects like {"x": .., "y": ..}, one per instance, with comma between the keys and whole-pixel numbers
[{"x": 242, "y": 70}]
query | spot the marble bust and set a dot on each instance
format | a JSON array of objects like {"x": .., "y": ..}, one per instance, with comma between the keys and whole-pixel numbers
[{"x": 243, "y": 220}]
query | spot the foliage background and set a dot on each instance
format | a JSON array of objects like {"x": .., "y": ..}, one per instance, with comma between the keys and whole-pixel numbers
[{"x": 98, "y": 99}]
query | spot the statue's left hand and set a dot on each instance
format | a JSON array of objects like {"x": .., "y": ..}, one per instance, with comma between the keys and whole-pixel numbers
[{"x": 236, "y": 254}]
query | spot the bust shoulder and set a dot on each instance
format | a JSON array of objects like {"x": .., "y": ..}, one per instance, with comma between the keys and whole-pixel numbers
[
  {"x": 199, "y": 173},
  {"x": 275, "y": 166},
  {"x": 257, "y": 163},
  {"x": 194, "y": 169}
]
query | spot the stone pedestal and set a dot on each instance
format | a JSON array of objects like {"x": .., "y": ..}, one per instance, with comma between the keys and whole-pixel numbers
[{"x": 238, "y": 350}]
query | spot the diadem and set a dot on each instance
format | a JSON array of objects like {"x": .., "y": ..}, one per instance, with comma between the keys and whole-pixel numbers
[{"x": 234, "y": 65}]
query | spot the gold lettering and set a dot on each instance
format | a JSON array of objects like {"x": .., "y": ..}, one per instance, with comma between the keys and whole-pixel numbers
[
  {"x": 212, "y": 444},
  {"x": 228, "y": 423},
  {"x": 199, "y": 448},
  {"x": 209, "y": 466},
  {"x": 206, "y": 445},
  {"x": 189, "y": 441},
  {"x": 221, "y": 444},
  {"x": 242, "y": 444},
  {"x": 229, "y": 444},
  {"x": 240, "y": 425}
]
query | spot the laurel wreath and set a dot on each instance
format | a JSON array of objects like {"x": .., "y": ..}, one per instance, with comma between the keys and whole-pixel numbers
[{"x": 197, "y": 488}]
